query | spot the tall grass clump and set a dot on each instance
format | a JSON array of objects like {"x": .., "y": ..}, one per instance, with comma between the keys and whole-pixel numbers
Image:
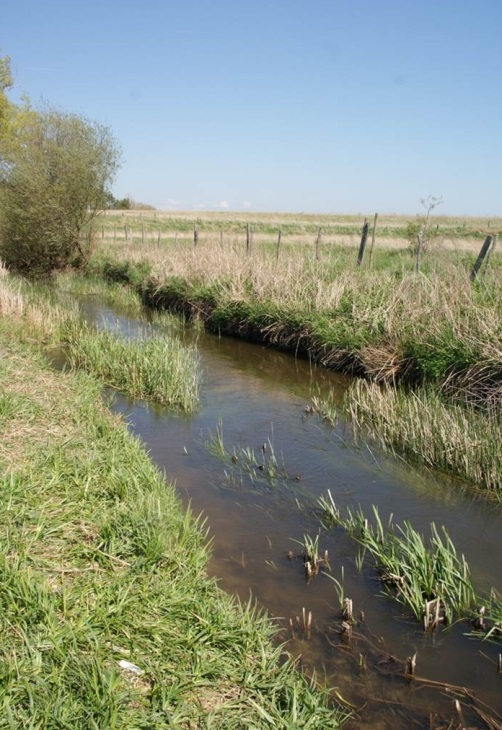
[
  {"x": 426, "y": 575},
  {"x": 423, "y": 426},
  {"x": 111, "y": 292},
  {"x": 11, "y": 299},
  {"x": 31, "y": 311},
  {"x": 160, "y": 368}
]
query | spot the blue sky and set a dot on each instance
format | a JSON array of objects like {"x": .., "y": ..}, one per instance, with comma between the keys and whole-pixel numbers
[{"x": 330, "y": 106}]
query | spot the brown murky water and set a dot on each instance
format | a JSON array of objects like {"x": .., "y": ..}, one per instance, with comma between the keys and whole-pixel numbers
[{"x": 259, "y": 396}]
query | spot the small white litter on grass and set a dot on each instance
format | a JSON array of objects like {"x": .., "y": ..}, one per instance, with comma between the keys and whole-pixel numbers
[{"x": 130, "y": 667}]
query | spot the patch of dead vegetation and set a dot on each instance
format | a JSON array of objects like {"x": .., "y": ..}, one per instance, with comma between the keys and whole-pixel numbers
[
  {"x": 382, "y": 363},
  {"x": 38, "y": 416}
]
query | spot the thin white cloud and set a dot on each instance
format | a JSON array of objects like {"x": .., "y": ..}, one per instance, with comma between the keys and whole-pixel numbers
[
  {"x": 247, "y": 204},
  {"x": 224, "y": 204}
]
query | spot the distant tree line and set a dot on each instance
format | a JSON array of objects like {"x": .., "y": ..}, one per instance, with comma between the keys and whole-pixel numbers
[
  {"x": 56, "y": 169},
  {"x": 113, "y": 203}
]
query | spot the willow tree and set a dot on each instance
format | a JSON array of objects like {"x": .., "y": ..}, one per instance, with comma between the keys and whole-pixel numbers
[{"x": 55, "y": 170}]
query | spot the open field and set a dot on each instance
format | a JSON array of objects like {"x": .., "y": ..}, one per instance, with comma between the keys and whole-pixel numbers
[{"x": 462, "y": 234}]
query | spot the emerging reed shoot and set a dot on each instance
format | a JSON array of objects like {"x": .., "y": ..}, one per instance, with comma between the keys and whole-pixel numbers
[
  {"x": 259, "y": 463},
  {"x": 312, "y": 560}
]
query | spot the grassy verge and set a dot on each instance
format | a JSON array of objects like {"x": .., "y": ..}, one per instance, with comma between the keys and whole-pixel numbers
[{"x": 107, "y": 617}]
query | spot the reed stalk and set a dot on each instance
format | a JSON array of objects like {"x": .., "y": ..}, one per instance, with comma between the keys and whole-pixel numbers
[{"x": 424, "y": 426}]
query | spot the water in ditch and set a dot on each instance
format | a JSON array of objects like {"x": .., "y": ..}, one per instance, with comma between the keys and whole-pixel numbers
[{"x": 258, "y": 399}]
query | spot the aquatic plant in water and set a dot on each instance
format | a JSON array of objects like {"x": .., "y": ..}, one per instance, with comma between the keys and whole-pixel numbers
[
  {"x": 426, "y": 575},
  {"x": 261, "y": 465}
]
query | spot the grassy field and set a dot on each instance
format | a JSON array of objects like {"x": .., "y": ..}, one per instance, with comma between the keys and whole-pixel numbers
[
  {"x": 107, "y": 616},
  {"x": 462, "y": 233}
]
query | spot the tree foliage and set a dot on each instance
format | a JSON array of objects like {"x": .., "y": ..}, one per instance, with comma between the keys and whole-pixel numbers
[
  {"x": 55, "y": 169},
  {"x": 5, "y": 105},
  {"x": 113, "y": 203}
]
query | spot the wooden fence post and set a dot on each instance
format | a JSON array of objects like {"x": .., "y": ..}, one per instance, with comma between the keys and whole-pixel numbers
[
  {"x": 195, "y": 236},
  {"x": 362, "y": 245},
  {"x": 278, "y": 245},
  {"x": 481, "y": 257},
  {"x": 420, "y": 247},
  {"x": 249, "y": 238},
  {"x": 318, "y": 245},
  {"x": 373, "y": 240},
  {"x": 491, "y": 251}
]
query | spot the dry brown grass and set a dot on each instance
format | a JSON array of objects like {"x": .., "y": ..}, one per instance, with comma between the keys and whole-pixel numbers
[
  {"x": 400, "y": 307},
  {"x": 11, "y": 299},
  {"x": 38, "y": 316},
  {"x": 38, "y": 415}
]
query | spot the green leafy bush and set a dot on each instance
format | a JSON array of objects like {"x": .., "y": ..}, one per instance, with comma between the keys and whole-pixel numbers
[{"x": 53, "y": 178}]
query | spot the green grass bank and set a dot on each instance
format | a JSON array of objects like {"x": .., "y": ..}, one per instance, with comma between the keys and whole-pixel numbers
[{"x": 107, "y": 616}]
